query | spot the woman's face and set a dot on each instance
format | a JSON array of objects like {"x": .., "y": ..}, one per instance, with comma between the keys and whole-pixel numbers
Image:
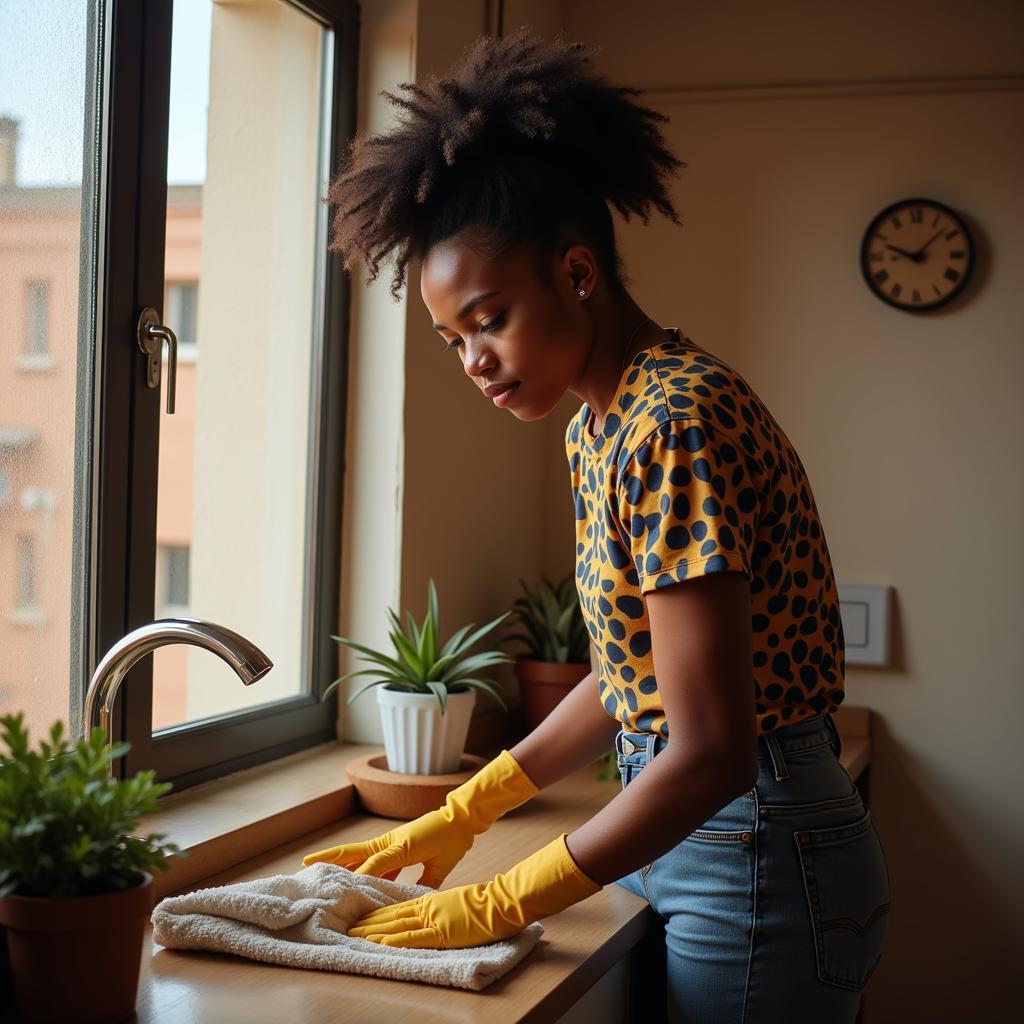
[{"x": 507, "y": 323}]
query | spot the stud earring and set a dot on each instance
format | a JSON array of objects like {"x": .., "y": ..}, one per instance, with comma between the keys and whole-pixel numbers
[{"x": 582, "y": 292}]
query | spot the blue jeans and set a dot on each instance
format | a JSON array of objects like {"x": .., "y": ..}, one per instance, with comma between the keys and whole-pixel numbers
[{"x": 776, "y": 908}]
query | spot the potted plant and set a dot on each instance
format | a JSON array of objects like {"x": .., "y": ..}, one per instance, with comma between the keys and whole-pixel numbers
[
  {"x": 558, "y": 646},
  {"x": 426, "y": 693},
  {"x": 75, "y": 894}
]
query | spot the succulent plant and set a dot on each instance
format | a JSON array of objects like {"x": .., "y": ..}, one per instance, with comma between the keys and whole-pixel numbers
[
  {"x": 420, "y": 666},
  {"x": 554, "y": 622}
]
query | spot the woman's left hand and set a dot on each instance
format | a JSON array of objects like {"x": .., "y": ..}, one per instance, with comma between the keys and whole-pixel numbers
[{"x": 543, "y": 884}]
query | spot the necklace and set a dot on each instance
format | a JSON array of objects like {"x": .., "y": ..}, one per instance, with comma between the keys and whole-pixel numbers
[
  {"x": 625, "y": 354},
  {"x": 622, "y": 366}
]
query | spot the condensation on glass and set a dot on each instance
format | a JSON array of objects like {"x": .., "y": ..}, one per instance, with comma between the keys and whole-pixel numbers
[
  {"x": 47, "y": 284},
  {"x": 245, "y": 155}
]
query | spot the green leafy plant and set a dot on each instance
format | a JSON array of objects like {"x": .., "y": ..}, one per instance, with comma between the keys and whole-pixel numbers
[
  {"x": 609, "y": 766},
  {"x": 65, "y": 826},
  {"x": 553, "y": 620},
  {"x": 420, "y": 666}
]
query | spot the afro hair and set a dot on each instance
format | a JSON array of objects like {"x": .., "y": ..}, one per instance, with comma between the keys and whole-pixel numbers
[{"x": 519, "y": 140}]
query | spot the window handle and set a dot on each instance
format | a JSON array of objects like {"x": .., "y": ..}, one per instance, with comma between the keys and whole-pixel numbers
[{"x": 151, "y": 335}]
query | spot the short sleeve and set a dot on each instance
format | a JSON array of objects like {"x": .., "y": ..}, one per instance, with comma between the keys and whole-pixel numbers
[{"x": 688, "y": 501}]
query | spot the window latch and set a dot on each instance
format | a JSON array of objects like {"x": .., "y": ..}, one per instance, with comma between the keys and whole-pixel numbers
[{"x": 151, "y": 336}]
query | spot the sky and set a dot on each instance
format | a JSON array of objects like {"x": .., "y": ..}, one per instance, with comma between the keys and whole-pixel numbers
[{"x": 43, "y": 56}]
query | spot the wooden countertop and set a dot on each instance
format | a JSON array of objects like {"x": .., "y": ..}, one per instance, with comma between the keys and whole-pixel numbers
[{"x": 578, "y": 946}]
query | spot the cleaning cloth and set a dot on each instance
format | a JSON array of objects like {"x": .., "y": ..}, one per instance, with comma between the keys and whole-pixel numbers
[{"x": 300, "y": 920}]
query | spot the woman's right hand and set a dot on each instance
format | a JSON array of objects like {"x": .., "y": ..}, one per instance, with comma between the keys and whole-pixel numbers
[
  {"x": 439, "y": 839},
  {"x": 433, "y": 840}
]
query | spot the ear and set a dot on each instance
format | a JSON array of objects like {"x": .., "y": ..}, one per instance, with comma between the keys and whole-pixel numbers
[{"x": 578, "y": 268}]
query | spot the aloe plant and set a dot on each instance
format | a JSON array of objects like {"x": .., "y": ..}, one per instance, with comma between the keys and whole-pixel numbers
[
  {"x": 420, "y": 666},
  {"x": 553, "y": 620}
]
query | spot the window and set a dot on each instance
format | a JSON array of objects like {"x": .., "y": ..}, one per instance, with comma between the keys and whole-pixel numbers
[
  {"x": 172, "y": 580},
  {"x": 37, "y": 318},
  {"x": 118, "y": 513},
  {"x": 182, "y": 314},
  {"x": 26, "y": 573}
]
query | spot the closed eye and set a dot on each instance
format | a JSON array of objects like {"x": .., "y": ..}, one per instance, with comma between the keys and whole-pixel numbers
[{"x": 487, "y": 328}]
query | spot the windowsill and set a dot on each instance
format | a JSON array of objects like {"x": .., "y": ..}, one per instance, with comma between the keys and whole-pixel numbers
[
  {"x": 28, "y": 616},
  {"x": 35, "y": 362},
  {"x": 225, "y": 821}
]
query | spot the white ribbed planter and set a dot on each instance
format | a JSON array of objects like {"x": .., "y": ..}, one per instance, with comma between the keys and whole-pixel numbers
[{"x": 418, "y": 738}]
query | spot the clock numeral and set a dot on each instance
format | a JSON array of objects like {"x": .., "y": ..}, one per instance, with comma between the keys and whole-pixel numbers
[
  {"x": 916, "y": 215},
  {"x": 952, "y": 234},
  {"x": 958, "y": 254},
  {"x": 895, "y": 290},
  {"x": 916, "y": 295},
  {"x": 936, "y": 290},
  {"x": 951, "y": 274},
  {"x": 936, "y": 221},
  {"x": 876, "y": 256},
  {"x": 896, "y": 222},
  {"x": 882, "y": 276}
]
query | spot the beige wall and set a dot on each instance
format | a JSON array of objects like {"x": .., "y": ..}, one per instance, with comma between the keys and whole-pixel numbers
[
  {"x": 371, "y": 541},
  {"x": 416, "y": 453},
  {"x": 909, "y": 426},
  {"x": 796, "y": 131}
]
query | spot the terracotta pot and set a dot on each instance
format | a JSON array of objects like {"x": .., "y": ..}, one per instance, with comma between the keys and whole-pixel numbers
[
  {"x": 405, "y": 795},
  {"x": 544, "y": 683},
  {"x": 76, "y": 960}
]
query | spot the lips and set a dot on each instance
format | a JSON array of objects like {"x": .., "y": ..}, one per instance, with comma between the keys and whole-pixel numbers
[{"x": 496, "y": 389}]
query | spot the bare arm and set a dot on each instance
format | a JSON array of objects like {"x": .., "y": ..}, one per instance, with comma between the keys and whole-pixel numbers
[
  {"x": 576, "y": 733},
  {"x": 701, "y": 640}
]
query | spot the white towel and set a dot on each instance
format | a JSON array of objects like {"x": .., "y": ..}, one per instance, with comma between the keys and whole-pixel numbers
[{"x": 300, "y": 920}]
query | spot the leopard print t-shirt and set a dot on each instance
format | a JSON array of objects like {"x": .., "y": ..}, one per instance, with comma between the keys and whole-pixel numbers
[{"x": 691, "y": 474}]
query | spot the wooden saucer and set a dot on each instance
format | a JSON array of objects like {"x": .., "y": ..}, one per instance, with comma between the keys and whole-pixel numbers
[{"x": 403, "y": 794}]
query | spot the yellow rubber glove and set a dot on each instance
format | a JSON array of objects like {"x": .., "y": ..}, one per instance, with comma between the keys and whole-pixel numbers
[
  {"x": 545, "y": 883},
  {"x": 439, "y": 839}
]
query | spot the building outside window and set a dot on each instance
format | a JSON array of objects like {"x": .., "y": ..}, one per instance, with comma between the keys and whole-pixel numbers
[
  {"x": 26, "y": 594},
  {"x": 172, "y": 579},
  {"x": 37, "y": 304},
  {"x": 183, "y": 314}
]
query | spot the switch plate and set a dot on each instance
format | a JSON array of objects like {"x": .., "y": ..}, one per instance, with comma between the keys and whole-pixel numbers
[{"x": 865, "y": 614}]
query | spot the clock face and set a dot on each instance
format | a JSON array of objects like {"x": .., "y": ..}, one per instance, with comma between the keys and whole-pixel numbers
[{"x": 916, "y": 254}]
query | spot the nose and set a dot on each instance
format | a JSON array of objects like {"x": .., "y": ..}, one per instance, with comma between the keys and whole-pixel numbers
[{"x": 478, "y": 358}]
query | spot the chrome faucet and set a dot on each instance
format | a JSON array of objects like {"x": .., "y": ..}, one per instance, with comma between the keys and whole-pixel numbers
[{"x": 248, "y": 661}]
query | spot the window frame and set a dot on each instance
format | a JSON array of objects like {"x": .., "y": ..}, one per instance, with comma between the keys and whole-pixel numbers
[{"x": 119, "y": 562}]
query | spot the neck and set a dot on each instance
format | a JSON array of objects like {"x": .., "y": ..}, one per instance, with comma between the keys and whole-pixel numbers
[{"x": 615, "y": 320}]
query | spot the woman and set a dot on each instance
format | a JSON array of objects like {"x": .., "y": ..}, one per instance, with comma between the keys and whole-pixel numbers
[{"x": 700, "y": 561}]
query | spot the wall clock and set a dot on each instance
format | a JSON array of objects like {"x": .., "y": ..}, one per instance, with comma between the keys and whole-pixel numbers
[{"x": 917, "y": 254}]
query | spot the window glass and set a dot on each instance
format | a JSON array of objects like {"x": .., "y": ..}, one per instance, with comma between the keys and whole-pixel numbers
[
  {"x": 235, "y": 459},
  {"x": 47, "y": 223}
]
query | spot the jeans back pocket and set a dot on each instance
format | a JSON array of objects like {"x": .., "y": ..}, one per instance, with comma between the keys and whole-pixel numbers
[{"x": 848, "y": 894}]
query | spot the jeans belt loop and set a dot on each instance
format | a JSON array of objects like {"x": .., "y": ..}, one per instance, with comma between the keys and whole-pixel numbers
[
  {"x": 775, "y": 753},
  {"x": 837, "y": 740}
]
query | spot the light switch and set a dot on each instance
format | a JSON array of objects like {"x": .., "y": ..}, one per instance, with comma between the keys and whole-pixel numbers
[{"x": 865, "y": 614}]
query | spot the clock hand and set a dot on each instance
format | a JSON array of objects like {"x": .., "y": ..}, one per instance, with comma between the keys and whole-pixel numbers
[
  {"x": 916, "y": 257},
  {"x": 926, "y": 244}
]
